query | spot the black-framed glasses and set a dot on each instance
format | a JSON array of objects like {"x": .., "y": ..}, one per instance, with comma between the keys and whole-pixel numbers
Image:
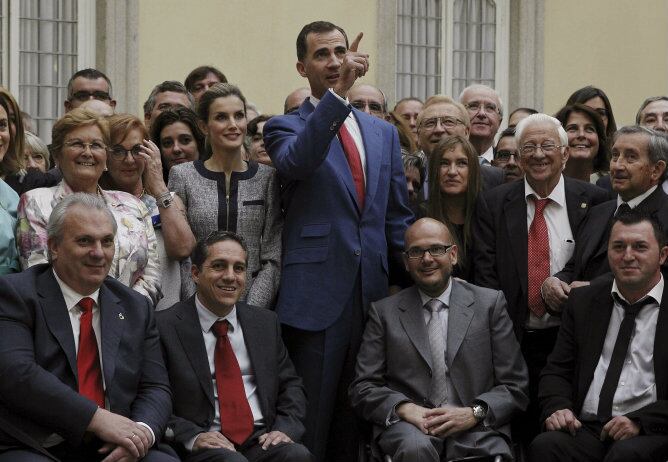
[
  {"x": 436, "y": 250},
  {"x": 86, "y": 95},
  {"x": 546, "y": 148},
  {"x": 118, "y": 152},
  {"x": 505, "y": 156},
  {"x": 445, "y": 121}
]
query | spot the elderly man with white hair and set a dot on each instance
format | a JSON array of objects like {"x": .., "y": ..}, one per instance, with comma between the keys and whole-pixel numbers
[{"x": 524, "y": 232}]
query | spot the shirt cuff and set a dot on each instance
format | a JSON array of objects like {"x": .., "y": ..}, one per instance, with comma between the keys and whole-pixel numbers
[
  {"x": 190, "y": 443},
  {"x": 392, "y": 417},
  {"x": 344, "y": 101},
  {"x": 150, "y": 430}
]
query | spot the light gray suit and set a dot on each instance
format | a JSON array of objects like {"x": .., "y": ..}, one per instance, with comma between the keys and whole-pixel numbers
[{"x": 394, "y": 365}]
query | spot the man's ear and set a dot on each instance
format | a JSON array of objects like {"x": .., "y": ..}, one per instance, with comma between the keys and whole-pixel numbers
[
  {"x": 301, "y": 68},
  {"x": 52, "y": 246},
  {"x": 194, "y": 272},
  {"x": 112, "y": 103},
  {"x": 663, "y": 253},
  {"x": 68, "y": 106}
]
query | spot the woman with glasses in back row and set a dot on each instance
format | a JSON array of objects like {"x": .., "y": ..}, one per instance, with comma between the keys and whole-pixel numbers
[
  {"x": 80, "y": 141},
  {"x": 134, "y": 166}
]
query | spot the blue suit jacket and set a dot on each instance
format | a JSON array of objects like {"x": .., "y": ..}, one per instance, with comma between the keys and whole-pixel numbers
[
  {"x": 38, "y": 390},
  {"x": 328, "y": 241}
]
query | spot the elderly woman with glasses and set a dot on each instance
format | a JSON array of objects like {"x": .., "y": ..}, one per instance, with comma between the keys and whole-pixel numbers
[
  {"x": 134, "y": 166},
  {"x": 80, "y": 140}
]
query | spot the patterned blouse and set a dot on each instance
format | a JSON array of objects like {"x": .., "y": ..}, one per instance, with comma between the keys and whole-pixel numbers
[{"x": 135, "y": 263}]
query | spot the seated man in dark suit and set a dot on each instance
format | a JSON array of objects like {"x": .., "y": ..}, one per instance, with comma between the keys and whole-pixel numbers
[
  {"x": 82, "y": 374},
  {"x": 604, "y": 390},
  {"x": 236, "y": 395},
  {"x": 637, "y": 169},
  {"x": 440, "y": 370},
  {"x": 523, "y": 232}
]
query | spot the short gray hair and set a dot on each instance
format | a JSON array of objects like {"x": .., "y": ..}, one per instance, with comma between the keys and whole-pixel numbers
[
  {"x": 647, "y": 102},
  {"x": 540, "y": 118},
  {"x": 657, "y": 142},
  {"x": 479, "y": 86},
  {"x": 54, "y": 229}
]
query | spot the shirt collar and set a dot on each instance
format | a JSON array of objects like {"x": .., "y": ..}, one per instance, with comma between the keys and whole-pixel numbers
[
  {"x": 443, "y": 298},
  {"x": 558, "y": 194},
  {"x": 71, "y": 296},
  {"x": 656, "y": 293},
  {"x": 633, "y": 203},
  {"x": 207, "y": 318}
]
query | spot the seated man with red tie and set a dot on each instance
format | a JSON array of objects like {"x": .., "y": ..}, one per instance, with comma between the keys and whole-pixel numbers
[
  {"x": 236, "y": 395},
  {"x": 82, "y": 374},
  {"x": 604, "y": 390}
]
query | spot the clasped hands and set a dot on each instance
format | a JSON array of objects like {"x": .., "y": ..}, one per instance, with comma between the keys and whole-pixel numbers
[
  {"x": 618, "y": 428},
  {"x": 125, "y": 440},
  {"x": 555, "y": 292},
  {"x": 441, "y": 421},
  {"x": 211, "y": 440}
]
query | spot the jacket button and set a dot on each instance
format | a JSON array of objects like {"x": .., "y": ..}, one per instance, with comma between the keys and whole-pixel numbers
[{"x": 358, "y": 252}]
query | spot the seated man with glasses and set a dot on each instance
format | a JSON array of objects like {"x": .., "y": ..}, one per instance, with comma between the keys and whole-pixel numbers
[
  {"x": 507, "y": 157},
  {"x": 88, "y": 84},
  {"x": 439, "y": 371},
  {"x": 524, "y": 232}
]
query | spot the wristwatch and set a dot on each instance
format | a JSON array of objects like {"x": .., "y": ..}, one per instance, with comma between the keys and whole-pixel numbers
[
  {"x": 165, "y": 200},
  {"x": 479, "y": 411}
]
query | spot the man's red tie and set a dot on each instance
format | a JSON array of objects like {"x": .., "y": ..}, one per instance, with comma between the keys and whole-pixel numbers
[
  {"x": 236, "y": 418},
  {"x": 88, "y": 360},
  {"x": 539, "y": 257},
  {"x": 354, "y": 161}
]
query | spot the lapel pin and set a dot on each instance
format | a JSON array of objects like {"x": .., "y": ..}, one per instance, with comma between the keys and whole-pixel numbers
[
  {"x": 583, "y": 205},
  {"x": 120, "y": 316}
]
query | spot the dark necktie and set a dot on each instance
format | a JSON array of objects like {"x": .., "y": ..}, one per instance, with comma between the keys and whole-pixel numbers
[
  {"x": 88, "y": 360},
  {"x": 438, "y": 393},
  {"x": 354, "y": 161},
  {"x": 622, "y": 209},
  {"x": 236, "y": 418},
  {"x": 539, "y": 257},
  {"x": 619, "y": 352}
]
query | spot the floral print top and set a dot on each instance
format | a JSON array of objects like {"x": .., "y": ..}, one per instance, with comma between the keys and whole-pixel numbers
[{"x": 135, "y": 262}]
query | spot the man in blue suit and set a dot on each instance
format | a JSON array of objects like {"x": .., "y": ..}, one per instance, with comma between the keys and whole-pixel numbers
[{"x": 345, "y": 198}]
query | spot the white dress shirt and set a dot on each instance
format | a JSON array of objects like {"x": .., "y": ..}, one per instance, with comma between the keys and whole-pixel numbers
[
  {"x": 637, "y": 385},
  {"x": 560, "y": 235},
  {"x": 72, "y": 299},
  {"x": 353, "y": 128},
  {"x": 236, "y": 336},
  {"x": 488, "y": 155}
]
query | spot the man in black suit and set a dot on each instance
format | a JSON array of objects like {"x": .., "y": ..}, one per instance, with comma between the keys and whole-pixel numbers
[
  {"x": 604, "y": 391},
  {"x": 236, "y": 395},
  {"x": 516, "y": 248},
  {"x": 82, "y": 374},
  {"x": 637, "y": 169}
]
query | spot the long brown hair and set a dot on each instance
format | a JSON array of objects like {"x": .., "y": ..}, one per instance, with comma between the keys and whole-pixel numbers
[
  {"x": 436, "y": 206},
  {"x": 13, "y": 160}
]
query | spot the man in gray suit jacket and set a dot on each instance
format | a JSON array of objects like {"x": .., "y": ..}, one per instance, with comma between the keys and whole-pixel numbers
[{"x": 440, "y": 369}]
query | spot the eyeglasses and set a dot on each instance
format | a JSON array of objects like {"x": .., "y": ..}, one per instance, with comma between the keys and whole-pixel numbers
[
  {"x": 546, "y": 148},
  {"x": 118, "y": 152},
  {"x": 436, "y": 250},
  {"x": 488, "y": 108},
  {"x": 506, "y": 155},
  {"x": 373, "y": 107},
  {"x": 86, "y": 95},
  {"x": 78, "y": 147},
  {"x": 447, "y": 122}
]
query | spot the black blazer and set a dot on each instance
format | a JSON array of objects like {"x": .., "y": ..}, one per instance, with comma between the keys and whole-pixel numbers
[
  {"x": 282, "y": 397},
  {"x": 590, "y": 258},
  {"x": 500, "y": 239},
  {"x": 570, "y": 368},
  {"x": 38, "y": 390}
]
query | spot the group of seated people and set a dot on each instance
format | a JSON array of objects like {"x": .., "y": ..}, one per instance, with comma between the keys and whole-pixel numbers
[{"x": 337, "y": 282}]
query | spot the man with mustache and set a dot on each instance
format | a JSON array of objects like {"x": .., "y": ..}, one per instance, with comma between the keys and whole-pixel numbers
[
  {"x": 637, "y": 167},
  {"x": 523, "y": 232}
]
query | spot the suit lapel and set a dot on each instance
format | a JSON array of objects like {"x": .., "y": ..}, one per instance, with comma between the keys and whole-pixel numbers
[
  {"x": 515, "y": 211},
  {"x": 338, "y": 159},
  {"x": 258, "y": 355},
  {"x": 459, "y": 318},
  {"x": 189, "y": 331},
  {"x": 412, "y": 320},
  {"x": 373, "y": 143},
  {"x": 112, "y": 324},
  {"x": 577, "y": 204},
  {"x": 661, "y": 345},
  {"x": 597, "y": 319},
  {"x": 56, "y": 316}
]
